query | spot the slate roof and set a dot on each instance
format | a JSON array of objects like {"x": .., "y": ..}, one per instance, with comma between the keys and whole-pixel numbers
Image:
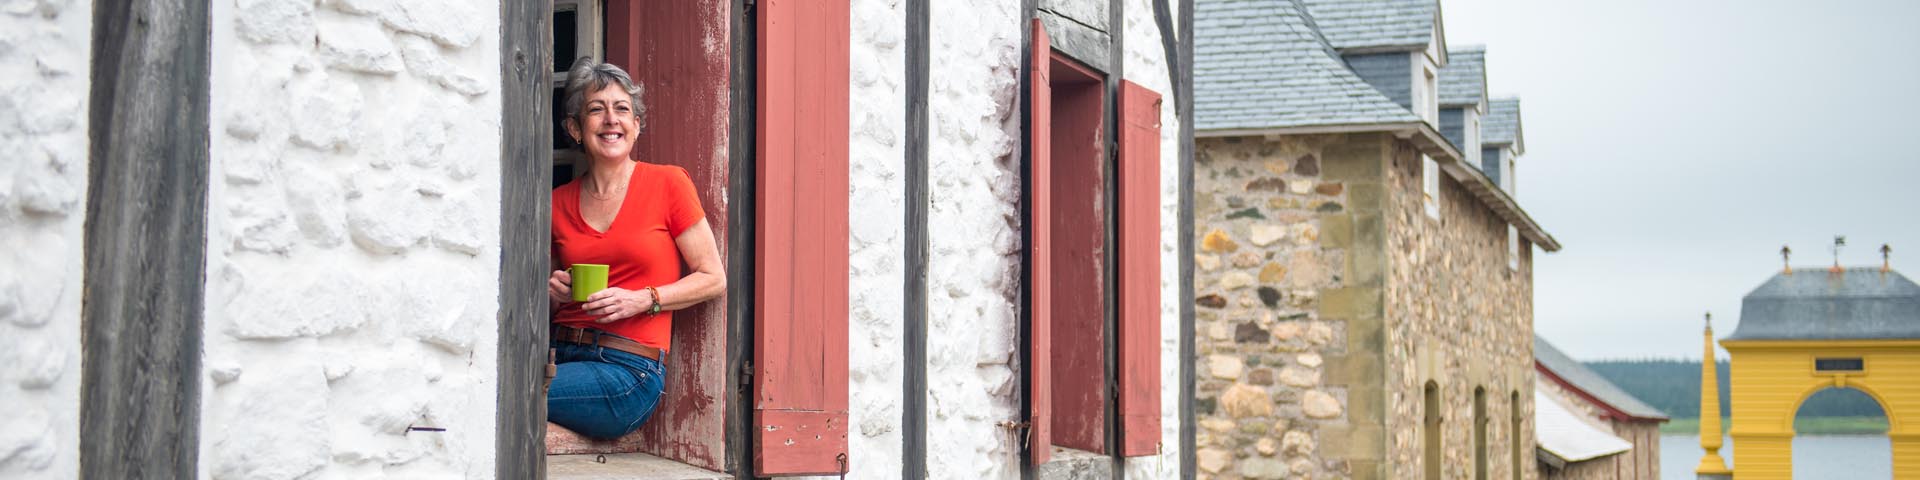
[
  {"x": 1814, "y": 304},
  {"x": 1375, "y": 23},
  {"x": 1502, "y": 125},
  {"x": 1264, "y": 64},
  {"x": 1591, "y": 382},
  {"x": 1562, "y": 434},
  {"x": 1463, "y": 82}
]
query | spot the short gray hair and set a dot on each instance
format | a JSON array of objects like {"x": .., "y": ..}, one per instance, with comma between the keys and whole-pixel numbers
[{"x": 588, "y": 76}]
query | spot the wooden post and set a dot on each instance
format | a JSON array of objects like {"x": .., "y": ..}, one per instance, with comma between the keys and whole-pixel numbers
[
  {"x": 146, "y": 237},
  {"x": 525, "y": 204}
]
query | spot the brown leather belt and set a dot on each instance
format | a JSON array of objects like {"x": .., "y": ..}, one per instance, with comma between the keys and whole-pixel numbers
[{"x": 603, "y": 339}]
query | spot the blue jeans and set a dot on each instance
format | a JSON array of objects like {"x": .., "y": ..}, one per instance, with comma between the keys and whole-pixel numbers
[{"x": 602, "y": 393}]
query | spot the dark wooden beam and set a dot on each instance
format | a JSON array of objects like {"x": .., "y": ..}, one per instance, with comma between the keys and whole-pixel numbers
[
  {"x": 526, "y": 178},
  {"x": 146, "y": 237},
  {"x": 741, "y": 156},
  {"x": 914, "y": 393}
]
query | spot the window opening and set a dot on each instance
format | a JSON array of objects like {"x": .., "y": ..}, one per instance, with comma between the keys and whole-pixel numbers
[
  {"x": 1480, "y": 433},
  {"x": 1825, "y": 365},
  {"x": 1430, "y": 429},
  {"x": 1513, "y": 248},
  {"x": 1430, "y": 185},
  {"x": 662, "y": 45},
  {"x": 1513, "y": 433},
  {"x": 1079, "y": 262}
]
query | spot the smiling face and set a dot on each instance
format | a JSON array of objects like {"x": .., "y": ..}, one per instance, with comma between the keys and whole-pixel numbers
[{"x": 606, "y": 124}]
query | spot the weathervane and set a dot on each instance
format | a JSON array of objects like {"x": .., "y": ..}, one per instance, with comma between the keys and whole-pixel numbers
[
  {"x": 1839, "y": 242},
  {"x": 1886, "y": 258},
  {"x": 1785, "y": 258}
]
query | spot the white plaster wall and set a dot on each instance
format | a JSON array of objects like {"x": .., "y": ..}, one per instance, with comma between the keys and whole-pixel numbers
[
  {"x": 44, "y": 52},
  {"x": 974, "y": 238},
  {"x": 1146, "y": 65},
  {"x": 352, "y": 252},
  {"x": 877, "y": 219}
]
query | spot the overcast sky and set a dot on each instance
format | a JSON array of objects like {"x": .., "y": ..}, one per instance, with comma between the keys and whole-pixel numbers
[{"x": 1674, "y": 145}]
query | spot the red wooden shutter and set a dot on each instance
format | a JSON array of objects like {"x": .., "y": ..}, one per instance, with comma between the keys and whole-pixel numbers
[
  {"x": 1039, "y": 255},
  {"x": 800, "y": 316},
  {"x": 1139, "y": 256}
]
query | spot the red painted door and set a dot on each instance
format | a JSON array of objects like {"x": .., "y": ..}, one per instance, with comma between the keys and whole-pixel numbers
[
  {"x": 1139, "y": 255},
  {"x": 800, "y": 316},
  {"x": 665, "y": 47},
  {"x": 1040, "y": 259}
]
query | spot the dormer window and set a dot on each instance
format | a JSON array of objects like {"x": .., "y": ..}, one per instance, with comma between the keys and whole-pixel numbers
[
  {"x": 1424, "y": 89},
  {"x": 1430, "y": 108}
]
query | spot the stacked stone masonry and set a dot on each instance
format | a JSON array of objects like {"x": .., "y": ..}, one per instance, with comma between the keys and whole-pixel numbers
[
  {"x": 1326, "y": 301},
  {"x": 44, "y": 52},
  {"x": 878, "y": 238},
  {"x": 1457, "y": 315},
  {"x": 353, "y": 250}
]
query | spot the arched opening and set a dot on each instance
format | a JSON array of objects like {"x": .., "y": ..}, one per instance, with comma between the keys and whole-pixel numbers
[
  {"x": 1430, "y": 431},
  {"x": 1479, "y": 433},
  {"x": 1840, "y": 429},
  {"x": 1513, "y": 432}
]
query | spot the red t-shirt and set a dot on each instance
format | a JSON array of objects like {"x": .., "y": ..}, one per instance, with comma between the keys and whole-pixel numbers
[{"x": 638, "y": 247}]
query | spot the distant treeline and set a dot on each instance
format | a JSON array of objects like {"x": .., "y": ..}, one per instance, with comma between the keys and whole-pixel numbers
[{"x": 1673, "y": 386}]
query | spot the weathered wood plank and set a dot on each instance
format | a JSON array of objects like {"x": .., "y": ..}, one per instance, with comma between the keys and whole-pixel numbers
[
  {"x": 525, "y": 181},
  {"x": 678, "y": 52},
  {"x": 145, "y": 245}
]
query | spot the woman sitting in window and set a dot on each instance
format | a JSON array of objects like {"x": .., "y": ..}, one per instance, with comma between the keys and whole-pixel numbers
[{"x": 644, "y": 222}]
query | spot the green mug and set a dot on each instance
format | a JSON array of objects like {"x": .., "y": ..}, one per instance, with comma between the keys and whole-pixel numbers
[{"x": 588, "y": 279}]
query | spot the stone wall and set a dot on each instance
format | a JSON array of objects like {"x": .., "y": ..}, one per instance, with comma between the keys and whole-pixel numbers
[
  {"x": 973, "y": 228},
  {"x": 1327, "y": 298},
  {"x": 1279, "y": 286},
  {"x": 353, "y": 251},
  {"x": 1457, "y": 315},
  {"x": 44, "y": 52},
  {"x": 878, "y": 250}
]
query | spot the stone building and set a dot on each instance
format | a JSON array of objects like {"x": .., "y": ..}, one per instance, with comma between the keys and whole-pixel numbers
[
  {"x": 1587, "y": 426},
  {"x": 278, "y": 239},
  {"x": 1364, "y": 289}
]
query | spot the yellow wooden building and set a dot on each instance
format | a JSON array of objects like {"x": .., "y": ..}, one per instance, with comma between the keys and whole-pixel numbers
[{"x": 1806, "y": 330}]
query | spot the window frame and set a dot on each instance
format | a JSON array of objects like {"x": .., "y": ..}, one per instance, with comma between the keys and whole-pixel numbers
[
  {"x": 590, "y": 20},
  {"x": 1083, "y": 121}
]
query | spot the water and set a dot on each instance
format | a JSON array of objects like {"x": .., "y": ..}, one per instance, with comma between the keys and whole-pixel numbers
[{"x": 1815, "y": 457}]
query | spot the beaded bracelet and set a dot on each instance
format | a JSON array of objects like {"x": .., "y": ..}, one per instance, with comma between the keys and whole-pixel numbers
[{"x": 656, "y": 301}]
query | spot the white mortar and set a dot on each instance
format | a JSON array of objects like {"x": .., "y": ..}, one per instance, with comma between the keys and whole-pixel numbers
[
  {"x": 974, "y": 231},
  {"x": 353, "y": 247},
  {"x": 877, "y": 252},
  {"x": 44, "y": 81}
]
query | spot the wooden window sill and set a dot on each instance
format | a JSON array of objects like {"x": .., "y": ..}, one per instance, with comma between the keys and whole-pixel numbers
[{"x": 625, "y": 466}]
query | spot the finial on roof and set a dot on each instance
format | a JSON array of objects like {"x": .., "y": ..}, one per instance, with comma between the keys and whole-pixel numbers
[
  {"x": 1786, "y": 255},
  {"x": 1886, "y": 258},
  {"x": 1709, "y": 322},
  {"x": 1839, "y": 242}
]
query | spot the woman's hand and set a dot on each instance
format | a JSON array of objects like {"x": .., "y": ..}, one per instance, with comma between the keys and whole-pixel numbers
[
  {"x": 615, "y": 304},
  {"x": 560, "y": 287}
]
